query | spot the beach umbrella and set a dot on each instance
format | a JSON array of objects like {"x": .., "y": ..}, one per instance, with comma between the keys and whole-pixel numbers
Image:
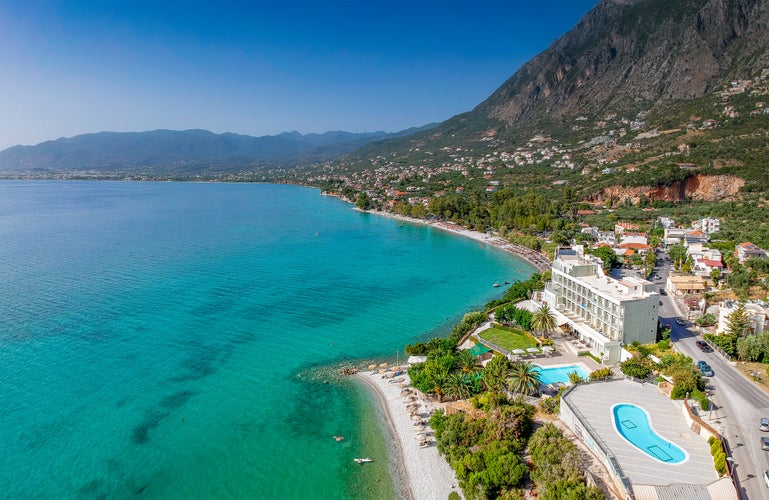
[
  {"x": 383, "y": 365},
  {"x": 400, "y": 379},
  {"x": 405, "y": 392},
  {"x": 420, "y": 436},
  {"x": 419, "y": 428},
  {"x": 532, "y": 350},
  {"x": 371, "y": 367},
  {"x": 519, "y": 351},
  {"x": 416, "y": 418}
]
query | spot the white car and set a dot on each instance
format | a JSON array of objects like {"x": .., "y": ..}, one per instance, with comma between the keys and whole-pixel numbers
[{"x": 764, "y": 424}]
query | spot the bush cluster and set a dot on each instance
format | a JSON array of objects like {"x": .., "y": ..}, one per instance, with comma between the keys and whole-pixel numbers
[{"x": 719, "y": 457}]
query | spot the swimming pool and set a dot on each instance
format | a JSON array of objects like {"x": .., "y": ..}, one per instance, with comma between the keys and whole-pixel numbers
[
  {"x": 560, "y": 373},
  {"x": 634, "y": 424}
]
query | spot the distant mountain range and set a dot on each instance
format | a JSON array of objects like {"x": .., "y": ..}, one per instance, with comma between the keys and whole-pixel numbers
[
  {"x": 626, "y": 57},
  {"x": 184, "y": 151}
]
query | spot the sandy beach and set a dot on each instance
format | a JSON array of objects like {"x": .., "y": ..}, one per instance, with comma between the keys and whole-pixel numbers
[
  {"x": 536, "y": 259},
  {"x": 427, "y": 474}
]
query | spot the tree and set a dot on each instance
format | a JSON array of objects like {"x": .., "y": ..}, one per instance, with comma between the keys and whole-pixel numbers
[
  {"x": 738, "y": 321},
  {"x": 363, "y": 202},
  {"x": 524, "y": 378},
  {"x": 637, "y": 367},
  {"x": 495, "y": 373},
  {"x": 677, "y": 255},
  {"x": 715, "y": 274},
  {"x": 466, "y": 362},
  {"x": 457, "y": 386},
  {"x": 543, "y": 320},
  {"x": 607, "y": 255}
]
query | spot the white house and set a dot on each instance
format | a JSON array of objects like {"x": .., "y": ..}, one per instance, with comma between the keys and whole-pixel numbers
[
  {"x": 758, "y": 314},
  {"x": 707, "y": 225}
]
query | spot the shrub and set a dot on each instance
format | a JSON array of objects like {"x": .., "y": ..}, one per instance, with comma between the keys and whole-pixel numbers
[
  {"x": 701, "y": 398},
  {"x": 663, "y": 345},
  {"x": 575, "y": 379},
  {"x": 601, "y": 374},
  {"x": 712, "y": 439},
  {"x": 454, "y": 496},
  {"x": 637, "y": 367},
  {"x": 551, "y": 405},
  {"x": 719, "y": 461},
  {"x": 715, "y": 447}
]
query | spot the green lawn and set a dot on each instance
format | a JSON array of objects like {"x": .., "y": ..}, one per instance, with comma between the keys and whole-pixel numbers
[{"x": 507, "y": 338}]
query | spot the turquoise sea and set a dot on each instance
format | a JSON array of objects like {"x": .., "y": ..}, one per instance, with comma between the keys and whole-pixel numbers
[{"x": 172, "y": 340}]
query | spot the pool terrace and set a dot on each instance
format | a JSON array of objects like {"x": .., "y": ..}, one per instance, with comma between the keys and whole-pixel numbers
[{"x": 593, "y": 403}]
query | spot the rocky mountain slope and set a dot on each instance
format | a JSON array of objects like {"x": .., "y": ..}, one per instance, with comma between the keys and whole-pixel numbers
[{"x": 623, "y": 57}]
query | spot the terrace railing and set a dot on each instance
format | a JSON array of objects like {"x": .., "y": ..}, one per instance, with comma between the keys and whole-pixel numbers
[{"x": 610, "y": 457}]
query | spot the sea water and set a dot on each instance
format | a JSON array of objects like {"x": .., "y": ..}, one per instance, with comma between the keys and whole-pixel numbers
[{"x": 176, "y": 340}]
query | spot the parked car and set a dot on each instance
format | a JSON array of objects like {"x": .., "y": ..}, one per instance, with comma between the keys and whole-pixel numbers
[
  {"x": 766, "y": 478},
  {"x": 764, "y": 424},
  {"x": 703, "y": 346},
  {"x": 765, "y": 443},
  {"x": 705, "y": 369},
  {"x": 663, "y": 292}
]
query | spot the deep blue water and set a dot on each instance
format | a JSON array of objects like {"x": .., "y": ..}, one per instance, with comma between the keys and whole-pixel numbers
[{"x": 168, "y": 340}]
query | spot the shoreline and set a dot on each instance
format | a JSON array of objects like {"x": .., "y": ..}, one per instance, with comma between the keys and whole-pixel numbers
[
  {"x": 426, "y": 475},
  {"x": 537, "y": 260}
]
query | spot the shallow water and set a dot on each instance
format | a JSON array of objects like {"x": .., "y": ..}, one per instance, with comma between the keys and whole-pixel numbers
[{"x": 172, "y": 340}]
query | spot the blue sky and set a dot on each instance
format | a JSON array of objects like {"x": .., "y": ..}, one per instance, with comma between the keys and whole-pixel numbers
[{"x": 260, "y": 67}]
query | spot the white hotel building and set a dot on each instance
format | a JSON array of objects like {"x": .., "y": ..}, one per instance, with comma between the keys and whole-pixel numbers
[{"x": 604, "y": 313}]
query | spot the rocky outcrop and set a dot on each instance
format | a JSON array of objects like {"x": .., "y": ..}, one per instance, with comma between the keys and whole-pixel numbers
[{"x": 696, "y": 188}]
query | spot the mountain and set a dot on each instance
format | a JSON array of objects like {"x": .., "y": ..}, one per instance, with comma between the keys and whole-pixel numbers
[
  {"x": 624, "y": 56},
  {"x": 187, "y": 151}
]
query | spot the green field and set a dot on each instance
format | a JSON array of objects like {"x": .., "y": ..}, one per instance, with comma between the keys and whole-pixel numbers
[{"x": 508, "y": 338}]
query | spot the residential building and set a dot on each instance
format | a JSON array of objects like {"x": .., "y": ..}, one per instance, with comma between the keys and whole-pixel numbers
[
  {"x": 748, "y": 250},
  {"x": 707, "y": 225},
  {"x": 604, "y": 313},
  {"x": 667, "y": 222},
  {"x": 674, "y": 236},
  {"x": 758, "y": 314},
  {"x": 685, "y": 285}
]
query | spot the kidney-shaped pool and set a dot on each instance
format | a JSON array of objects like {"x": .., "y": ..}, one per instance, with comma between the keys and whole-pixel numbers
[{"x": 634, "y": 424}]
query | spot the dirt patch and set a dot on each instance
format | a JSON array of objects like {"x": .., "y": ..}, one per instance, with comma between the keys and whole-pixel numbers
[{"x": 756, "y": 372}]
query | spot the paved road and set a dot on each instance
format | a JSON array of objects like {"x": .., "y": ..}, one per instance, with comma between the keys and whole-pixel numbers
[{"x": 739, "y": 404}]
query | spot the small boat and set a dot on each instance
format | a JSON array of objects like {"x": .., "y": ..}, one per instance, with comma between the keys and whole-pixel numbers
[
  {"x": 496, "y": 285},
  {"x": 339, "y": 438},
  {"x": 507, "y": 282},
  {"x": 362, "y": 460}
]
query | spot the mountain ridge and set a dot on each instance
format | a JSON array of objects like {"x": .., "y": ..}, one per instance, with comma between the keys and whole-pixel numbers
[{"x": 109, "y": 151}]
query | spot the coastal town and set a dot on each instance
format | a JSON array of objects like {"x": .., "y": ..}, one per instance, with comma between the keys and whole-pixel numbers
[{"x": 620, "y": 343}]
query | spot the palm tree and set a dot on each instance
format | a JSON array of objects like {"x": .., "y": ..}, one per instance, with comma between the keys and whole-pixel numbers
[
  {"x": 543, "y": 320},
  {"x": 457, "y": 386},
  {"x": 467, "y": 362},
  {"x": 524, "y": 378}
]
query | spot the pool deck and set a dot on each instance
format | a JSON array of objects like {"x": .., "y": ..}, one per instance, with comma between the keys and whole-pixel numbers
[{"x": 595, "y": 401}]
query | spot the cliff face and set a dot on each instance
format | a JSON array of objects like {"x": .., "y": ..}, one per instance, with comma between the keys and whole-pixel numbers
[
  {"x": 637, "y": 52},
  {"x": 696, "y": 187}
]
